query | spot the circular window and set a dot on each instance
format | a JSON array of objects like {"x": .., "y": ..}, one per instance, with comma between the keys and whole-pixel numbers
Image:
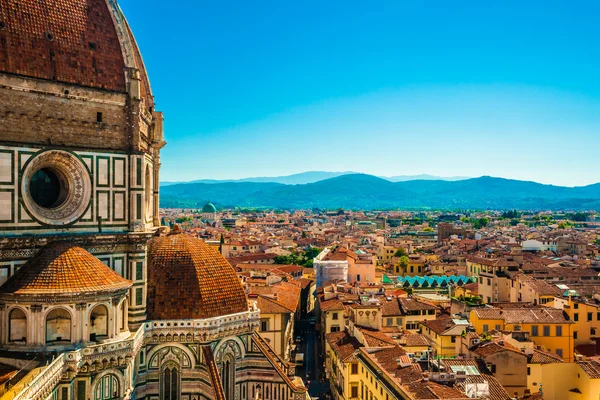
[
  {"x": 56, "y": 187},
  {"x": 48, "y": 188}
]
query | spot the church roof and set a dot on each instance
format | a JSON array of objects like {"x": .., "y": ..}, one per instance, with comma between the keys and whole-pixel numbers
[
  {"x": 61, "y": 269},
  {"x": 187, "y": 279},
  {"x": 209, "y": 208},
  {"x": 81, "y": 42}
]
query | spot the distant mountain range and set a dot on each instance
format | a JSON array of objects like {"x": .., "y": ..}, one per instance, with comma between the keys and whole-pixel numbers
[
  {"x": 367, "y": 192},
  {"x": 316, "y": 176}
]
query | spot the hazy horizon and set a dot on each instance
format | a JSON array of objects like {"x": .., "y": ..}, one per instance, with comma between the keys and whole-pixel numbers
[{"x": 415, "y": 176}]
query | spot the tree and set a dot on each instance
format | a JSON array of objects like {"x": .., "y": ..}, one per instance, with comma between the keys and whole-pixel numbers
[
  {"x": 480, "y": 223},
  {"x": 303, "y": 235},
  {"x": 514, "y": 222},
  {"x": 400, "y": 253}
]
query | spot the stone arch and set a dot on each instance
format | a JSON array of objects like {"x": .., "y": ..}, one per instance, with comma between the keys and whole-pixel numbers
[
  {"x": 226, "y": 345},
  {"x": 108, "y": 385},
  {"x": 180, "y": 354},
  {"x": 98, "y": 322},
  {"x": 58, "y": 325},
  {"x": 17, "y": 325}
]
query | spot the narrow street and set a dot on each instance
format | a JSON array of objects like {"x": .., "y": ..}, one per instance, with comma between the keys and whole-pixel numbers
[{"x": 312, "y": 371}]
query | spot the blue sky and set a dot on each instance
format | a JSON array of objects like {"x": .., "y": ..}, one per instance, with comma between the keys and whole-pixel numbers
[{"x": 469, "y": 88}]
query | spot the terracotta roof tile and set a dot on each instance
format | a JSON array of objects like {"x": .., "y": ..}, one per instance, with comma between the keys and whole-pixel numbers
[
  {"x": 62, "y": 268},
  {"x": 187, "y": 279},
  {"x": 73, "y": 41}
]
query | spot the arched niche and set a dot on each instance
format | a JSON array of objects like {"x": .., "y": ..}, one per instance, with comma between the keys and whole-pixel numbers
[
  {"x": 98, "y": 323},
  {"x": 17, "y": 326},
  {"x": 58, "y": 326}
]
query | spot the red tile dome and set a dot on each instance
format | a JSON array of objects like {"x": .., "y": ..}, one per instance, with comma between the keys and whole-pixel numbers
[
  {"x": 63, "y": 269},
  {"x": 81, "y": 42},
  {"x": 187, "y": 279}
]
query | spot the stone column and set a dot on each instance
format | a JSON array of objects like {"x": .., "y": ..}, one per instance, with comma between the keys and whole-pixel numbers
[
  {"x": 81, "y": 321},
  {"x": 37, "y": 335}
]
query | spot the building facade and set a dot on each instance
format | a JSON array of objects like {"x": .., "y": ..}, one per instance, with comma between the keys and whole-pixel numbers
[{"x": 96, "y": 302}]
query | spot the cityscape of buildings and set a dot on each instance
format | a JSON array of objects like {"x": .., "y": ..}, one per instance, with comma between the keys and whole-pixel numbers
[{"x": 104, "y": 295}]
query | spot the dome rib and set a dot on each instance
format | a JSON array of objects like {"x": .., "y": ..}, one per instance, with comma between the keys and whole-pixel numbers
[
  {"x": 62, "y": 268},
  {"x": 187, "y": 279}
]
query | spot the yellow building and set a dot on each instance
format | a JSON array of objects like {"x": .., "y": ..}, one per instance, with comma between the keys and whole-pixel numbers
[
  {"x": 406, "y": 314},
  {"x": 586, "y": 317},
  {"x": 341, "y": 366},
  {"x": 547, "y": 327},
  {"x": 444, "y": 335},
  {"x": 278, "y": 305}
]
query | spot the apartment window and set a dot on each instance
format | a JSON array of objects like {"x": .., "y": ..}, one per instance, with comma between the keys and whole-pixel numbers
[
  {"x": 390, "y": 321},
  {"x": 99, "y": 117},
  {"x": 559, "y": 330},
  {"x": 334, "y": 316},
  {"x": 576, "y": 306},
  {"x": 358, "y": 278},
  {"x": 493, "y": 368},
  {"x": 481, "y": 280},
  {"x": 575, "y": 335},
  {"x": 264, "y": 325},
  {"x": 489, "y": 282},
  {"x": 453, "y": 339},
  {"x": 354, "y": 370},
  {"x": 576, "y": 317},
  {"x": 598, "y": 316},
  {"x": 497, "y": 327},
  {"x": 399, "y": 321},
  {"x": 546, "y": 330},
  {"x": 431, "y": 312},
  {"x": 593, "y": 331},
  {"x": 335, "y": 329},
  {"x": 559, "y": 352},
  {"x": 354, "y": 391},
  {"x": 528, "y": 371},
  {"x": 486, "y": 327},
  {"x": 534, "y": 330}
]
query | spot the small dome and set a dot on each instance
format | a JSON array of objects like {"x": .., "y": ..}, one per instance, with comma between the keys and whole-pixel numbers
[
  {"x": 209, "y": 208},
  {"x": 187, "y": 279},
  {"x": 61, "y": 269}
]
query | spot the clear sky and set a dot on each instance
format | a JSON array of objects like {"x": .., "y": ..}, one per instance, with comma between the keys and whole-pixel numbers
[{"x": 468, "y": 88}]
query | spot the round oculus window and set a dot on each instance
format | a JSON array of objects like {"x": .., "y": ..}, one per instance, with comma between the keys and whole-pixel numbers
[
  {"x": 56, "y": 187},
  {"x": 48, "y": 188}
]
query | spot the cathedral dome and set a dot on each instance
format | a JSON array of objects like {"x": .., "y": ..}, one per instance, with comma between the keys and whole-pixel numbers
[
  {"x": 187, "y": 279},
  {"x": 209, "y": 208},
  {"x": 63, "y": 269},
  {"x": 82, "y": 42}
]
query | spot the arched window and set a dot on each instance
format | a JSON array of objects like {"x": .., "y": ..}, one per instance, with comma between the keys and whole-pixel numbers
[
  {"x": 228, "y": 376},
  {"x": 98, "y": 323},
  {"x": 17, "y": 326},
  {"x": 107, "y": 388},
  {"x": 170, "y": 382},
  {"x": 58, "y": 326}
]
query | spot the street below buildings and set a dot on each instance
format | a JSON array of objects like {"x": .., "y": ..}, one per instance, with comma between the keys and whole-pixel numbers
[{"x": 312, "y": 372}]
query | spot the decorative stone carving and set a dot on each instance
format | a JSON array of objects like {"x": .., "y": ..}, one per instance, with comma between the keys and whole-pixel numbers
[{"x": 74, "y": 178}]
